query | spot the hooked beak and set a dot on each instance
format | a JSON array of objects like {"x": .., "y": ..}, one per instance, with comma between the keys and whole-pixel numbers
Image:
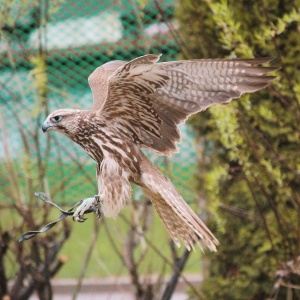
[{"x": 47, "y": 125}]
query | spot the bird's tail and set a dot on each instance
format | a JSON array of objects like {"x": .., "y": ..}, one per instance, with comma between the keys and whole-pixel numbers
[{"x": 180, "y": 220}]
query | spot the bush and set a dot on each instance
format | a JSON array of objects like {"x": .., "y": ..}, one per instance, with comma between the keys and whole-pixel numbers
[{"x": 250, "y": 163}]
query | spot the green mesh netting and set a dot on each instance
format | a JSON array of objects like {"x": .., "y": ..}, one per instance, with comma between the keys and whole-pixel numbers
[{"x": 47, "y": 52}]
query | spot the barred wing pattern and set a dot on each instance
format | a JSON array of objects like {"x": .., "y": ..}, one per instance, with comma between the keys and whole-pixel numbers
[
  {"x": 146, "y": 100},
  {"x": 198, "y": 84},
  {"x": 128, "y": 104},
  {"x": 140, "y": 104}
]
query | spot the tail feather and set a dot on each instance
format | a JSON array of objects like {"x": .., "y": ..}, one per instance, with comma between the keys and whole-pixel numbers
[
  {"x": 180, "y": 220},
  {"x": 182, "y": 230},
  {"x": 176, "y": 228}
]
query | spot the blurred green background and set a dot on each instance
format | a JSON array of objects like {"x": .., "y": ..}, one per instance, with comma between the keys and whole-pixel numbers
[
  {"x": 48, "y": 49},
  {"x": 238, "y": 162}
]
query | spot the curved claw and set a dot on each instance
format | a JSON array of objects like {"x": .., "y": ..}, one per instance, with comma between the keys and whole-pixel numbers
[
  {"x": 88, "y": 205},
  {"x": 85, "y": 206},
  {"x": 79, "y": 219}
]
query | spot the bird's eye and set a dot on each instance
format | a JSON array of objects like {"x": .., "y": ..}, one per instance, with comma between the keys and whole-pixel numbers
[{"x": 56, "y": 119}]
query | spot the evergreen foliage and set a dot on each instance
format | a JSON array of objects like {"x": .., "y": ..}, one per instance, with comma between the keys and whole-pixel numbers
[{"x": 250, "y": 169}]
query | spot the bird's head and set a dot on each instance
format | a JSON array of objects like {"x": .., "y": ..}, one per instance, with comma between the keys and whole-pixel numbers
[{"x": 63, "y": 120}]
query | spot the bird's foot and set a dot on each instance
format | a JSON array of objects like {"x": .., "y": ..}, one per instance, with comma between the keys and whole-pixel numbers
[{"x": 88, "y": 205}]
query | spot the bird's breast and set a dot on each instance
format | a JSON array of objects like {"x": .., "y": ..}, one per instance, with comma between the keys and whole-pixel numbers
[{"x": 124, "y": 152}]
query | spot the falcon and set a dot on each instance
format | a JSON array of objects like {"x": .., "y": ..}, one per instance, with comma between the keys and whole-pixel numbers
[{"x": 139, "y": 104}]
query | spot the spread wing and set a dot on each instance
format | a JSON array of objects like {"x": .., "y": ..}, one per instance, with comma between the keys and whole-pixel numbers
[
  {"x": 146, "y": 100},
  {"x": 98, "y": 82}
]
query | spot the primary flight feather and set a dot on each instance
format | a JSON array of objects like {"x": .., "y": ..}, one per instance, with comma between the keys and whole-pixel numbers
[{"x": 139, "y": 104}]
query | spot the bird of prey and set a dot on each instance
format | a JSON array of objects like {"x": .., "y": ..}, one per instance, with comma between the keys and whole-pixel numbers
[{"x": 139, "y": 104}]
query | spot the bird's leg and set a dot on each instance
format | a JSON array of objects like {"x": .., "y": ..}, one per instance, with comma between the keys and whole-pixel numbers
[{"x": 88, "y": 205}]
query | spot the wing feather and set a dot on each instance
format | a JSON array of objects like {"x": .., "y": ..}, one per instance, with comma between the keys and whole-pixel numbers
[
  {"x": 147, "y": 100},
  {"x": 128, "y": 104},
  {"x": 98, "y": 82}
]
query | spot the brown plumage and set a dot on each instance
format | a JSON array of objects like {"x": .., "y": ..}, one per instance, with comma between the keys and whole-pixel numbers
[{"x": 139, "y": 104}]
